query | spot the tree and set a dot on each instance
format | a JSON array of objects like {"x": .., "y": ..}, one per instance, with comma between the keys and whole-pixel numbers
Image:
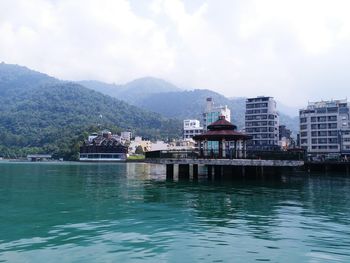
[{"x": 139, "y": 150}]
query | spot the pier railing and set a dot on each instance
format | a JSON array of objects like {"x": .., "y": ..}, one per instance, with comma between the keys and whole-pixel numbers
[
  {"x": 212, "y": 154},
  {"x": 328, "y": 157}
]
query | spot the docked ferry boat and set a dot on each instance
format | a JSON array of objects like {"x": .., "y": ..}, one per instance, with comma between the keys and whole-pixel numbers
[{"x": 103, "y": 147}]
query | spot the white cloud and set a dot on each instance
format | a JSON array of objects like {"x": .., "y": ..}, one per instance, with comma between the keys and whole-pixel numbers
[{"x": 292, "y": 50}]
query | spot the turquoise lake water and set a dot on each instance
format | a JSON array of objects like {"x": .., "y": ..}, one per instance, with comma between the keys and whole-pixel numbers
[{"x": 62, "y": 212}]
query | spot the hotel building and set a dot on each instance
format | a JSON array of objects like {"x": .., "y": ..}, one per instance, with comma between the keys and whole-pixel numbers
[
  {"x": 191, "y": 128},
  {"x": 324, "y": 127},
  {"x": 262, "y": 123}
]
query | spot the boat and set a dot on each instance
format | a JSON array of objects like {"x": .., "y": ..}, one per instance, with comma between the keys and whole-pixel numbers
[{"x": 103, "y": 147}]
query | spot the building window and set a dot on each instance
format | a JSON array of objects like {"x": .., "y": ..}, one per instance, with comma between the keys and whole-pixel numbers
[
  {"x": 333, "y": 140},
  {"x": 322, "y": 119},
  {"x": 332, "y": 110},
  {"x": 322, "y": 141},
  {"x": 322, "y": 133},
  {"x": 332, "y": 125}
]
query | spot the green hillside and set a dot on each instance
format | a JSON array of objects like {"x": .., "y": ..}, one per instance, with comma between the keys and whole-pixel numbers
[
  {"x": 43, "y": 114},
  {"x": 181, "y": 104}
]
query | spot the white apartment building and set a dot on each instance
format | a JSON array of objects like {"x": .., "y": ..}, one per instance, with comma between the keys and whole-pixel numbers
[
  {"x": 191, "y": 128},
  {"x": 324, "y": 127},
  {"x": 126, "y": 135},
  {"x": 212, "y": 113},
  {"x": 262, "y": 123}
]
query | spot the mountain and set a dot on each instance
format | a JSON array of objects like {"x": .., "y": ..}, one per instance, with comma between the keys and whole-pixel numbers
[
  {"x": 19, "y": 79},
  {"x": 183, "y": 104},
  {"x": 133, "y": 91},
  {"x": 191, "y": 104},
  {"x": 39, "y": 113}
]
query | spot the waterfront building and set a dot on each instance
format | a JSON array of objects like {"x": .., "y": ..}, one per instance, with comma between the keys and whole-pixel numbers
[
  {"x": 324, "y": 127},
  {"x": 182, "y": 145},
  {"x": 92, "y": 136},
  {"x": 212, "y": 113},
  {"x": 39, "y": 157},
  {"x": 159, "y": 146},
  {"x": 262, "y": 123},
  {"x": 126, "y": 136},
  {"x": 138, "y": 141},
  {"x": 191, "y": 128},
  {"x": 103, "y": 147}
]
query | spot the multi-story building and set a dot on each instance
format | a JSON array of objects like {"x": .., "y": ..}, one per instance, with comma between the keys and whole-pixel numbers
[
  {"x": 191, "y": 128},
  {"x": 262, "y": 122},
  {"x": 212, "y": 113},
  {"x": 126, "y": 135},
  {"x": 324, "y": 127}
]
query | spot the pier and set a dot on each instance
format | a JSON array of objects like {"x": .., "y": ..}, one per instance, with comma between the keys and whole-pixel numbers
[
  {"x": 254, "y": 163},
  {"x": 223, "y": 151}
]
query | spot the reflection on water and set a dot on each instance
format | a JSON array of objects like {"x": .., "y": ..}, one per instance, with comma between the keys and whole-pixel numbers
[{"x": 107, "y": 213}]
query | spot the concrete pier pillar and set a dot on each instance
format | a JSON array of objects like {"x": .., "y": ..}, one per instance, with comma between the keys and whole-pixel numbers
[
  {"x": 184, "y": 171},
  {"x": 243, "y": 171},
  {"x": 218, "y": 171},
  {"x": 210, "y": 171},
  {"x": 195, "y": 171},
  {"x": 170, "y": 171}
]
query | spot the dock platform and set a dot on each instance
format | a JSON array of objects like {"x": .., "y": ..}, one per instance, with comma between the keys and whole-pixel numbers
[{"x": 188, "y": 163}]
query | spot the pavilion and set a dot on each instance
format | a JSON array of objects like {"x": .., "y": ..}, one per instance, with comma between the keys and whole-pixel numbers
[{"x": 229, "y": 142}]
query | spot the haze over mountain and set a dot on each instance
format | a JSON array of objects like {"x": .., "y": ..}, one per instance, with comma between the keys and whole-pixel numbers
[
  {"x": 166, "y": 99},
  {"x": 297, "y": 51},
  {"x": 131, "y": 92},
  {"x": 41, "y": 113}
]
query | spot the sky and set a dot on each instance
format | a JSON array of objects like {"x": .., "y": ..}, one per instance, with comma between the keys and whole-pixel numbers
[{"x": 294, "y": 50}]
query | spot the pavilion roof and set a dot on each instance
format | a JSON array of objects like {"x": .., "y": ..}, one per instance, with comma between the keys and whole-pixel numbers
[
  {"x": 228, "y": 135},
  {"x": 222, "y": 124},
  {"x": 222, "y": 130}
]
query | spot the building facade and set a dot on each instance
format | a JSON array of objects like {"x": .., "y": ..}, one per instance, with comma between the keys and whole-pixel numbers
[
  {"x": 191, "y": 128},
  {"x": 324, "y": 127},
  {"x": 262, "y": 123},
  {"x": 212, "y": 113},
  {"x": 103, "y": 147},
  {"x": 126, "y": 135}
]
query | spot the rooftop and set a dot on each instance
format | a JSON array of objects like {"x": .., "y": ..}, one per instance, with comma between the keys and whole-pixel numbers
[
  {"x": 222, "y": 129},
  {"x": 325, "y": 104}
]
